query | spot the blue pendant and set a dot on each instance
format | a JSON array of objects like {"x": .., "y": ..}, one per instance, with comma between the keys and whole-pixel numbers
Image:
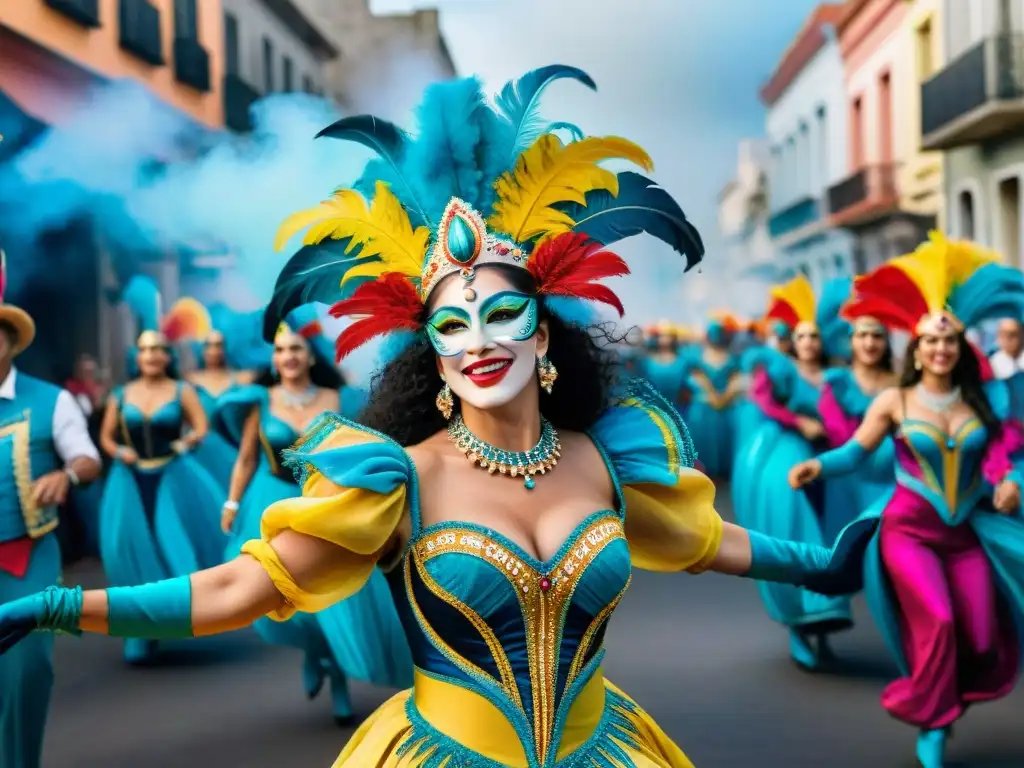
[
  {"x": 461, "y": 241},
  {"x": 529, "y": 483}
]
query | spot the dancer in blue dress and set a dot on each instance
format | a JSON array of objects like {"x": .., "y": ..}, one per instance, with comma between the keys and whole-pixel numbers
[
  {"x": 786, "y": 389},
  {"x": 714, "y": 381},
  {"x": 360, "y": 638},
  {"x": 158, "y": 512},
  {"x": 663, "y": 365},
  {"x": 211, "y": 379}
]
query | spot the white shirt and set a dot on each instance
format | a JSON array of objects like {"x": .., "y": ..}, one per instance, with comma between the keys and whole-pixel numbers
[
  {"x": 1004, "y": 366},
  {"x": 70, "y": 431}
]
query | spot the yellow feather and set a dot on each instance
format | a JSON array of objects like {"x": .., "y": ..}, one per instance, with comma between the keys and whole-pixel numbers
[
  {"x": 382, "y": 228},
  {"x": 938, "y": 265},
  {"x": 799, "y": 295},
  {"x": 550, "y": 172}
]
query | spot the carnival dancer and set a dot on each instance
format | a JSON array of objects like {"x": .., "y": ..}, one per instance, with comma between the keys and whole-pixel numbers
[
  {"x": 158, "y": 513},
  {"x": 495, "y": 477},
  {"x": 944, "y": 575},
  {"x": 45, "y": 451},
  {"x": 786, "y": 390},
  {"x": 361, "y": 637},
  {"x": 845, "y": 397},
  {"x": 713, "y": 381},
  {"x": 663, "y": 366},
  {"x": 211, "y": 379}
]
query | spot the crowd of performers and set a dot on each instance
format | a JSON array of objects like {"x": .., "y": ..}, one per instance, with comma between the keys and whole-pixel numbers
[{"x": 323, "y": 515}]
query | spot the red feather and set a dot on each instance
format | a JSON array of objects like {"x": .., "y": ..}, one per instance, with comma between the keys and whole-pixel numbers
[
  {"x": 783, "y": 312},
  {"x": 887, "y": 311},
  {"x": 570, "y": 264},
  {"x": 890, "y": 296},
  {"x": 389, "y": 303},
  {"x": 311, "y": 330}
]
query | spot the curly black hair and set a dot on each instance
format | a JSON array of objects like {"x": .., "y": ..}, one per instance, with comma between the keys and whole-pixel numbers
[
  {"x": 966, "y": 375},
  {"x": 402, "y": 394}
]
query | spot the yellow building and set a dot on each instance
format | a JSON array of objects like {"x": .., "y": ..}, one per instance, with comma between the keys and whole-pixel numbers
[{"x": 920, "y": 172}]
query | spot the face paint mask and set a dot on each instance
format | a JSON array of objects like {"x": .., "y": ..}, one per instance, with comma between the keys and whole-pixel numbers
[{"x": 487, "y": 345}]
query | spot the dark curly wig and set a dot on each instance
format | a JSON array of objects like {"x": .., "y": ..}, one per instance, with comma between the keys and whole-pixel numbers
[{"x": 402, "y": 394}]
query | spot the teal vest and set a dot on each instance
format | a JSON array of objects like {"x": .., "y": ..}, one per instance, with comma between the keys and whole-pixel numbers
[{"x": 26, "y": 453}]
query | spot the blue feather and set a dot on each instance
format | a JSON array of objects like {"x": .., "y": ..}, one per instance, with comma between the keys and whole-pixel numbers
[
  {"x": 993, "y": 292},
  {"x": 641, "y": 206},
  {"x": 391, "y": 143},
  {"x": 835, "y": 331},
  {"x": 573, "y": 130},
  {"x": 519, "y": 102},
  {"x": 458, "y": 152},
  {"x": 142, "y": 295},
  {"x": 314, "y": 273}
]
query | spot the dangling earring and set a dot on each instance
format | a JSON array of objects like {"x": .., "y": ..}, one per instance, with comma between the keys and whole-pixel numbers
[
  {"x": 444, "y": 402},
  {"x": 547, "y": 373},
  {"x": 917, "y": 364}
]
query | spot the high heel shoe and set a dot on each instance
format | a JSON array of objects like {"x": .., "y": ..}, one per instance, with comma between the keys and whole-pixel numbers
[{"x": 931, "y": 748}]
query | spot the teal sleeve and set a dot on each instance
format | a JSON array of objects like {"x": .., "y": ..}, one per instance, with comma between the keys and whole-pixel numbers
[
  {"x": 158, "y": 611},
  {"x": 785, "y": 562},
  {"x": 843, "y": 460}
]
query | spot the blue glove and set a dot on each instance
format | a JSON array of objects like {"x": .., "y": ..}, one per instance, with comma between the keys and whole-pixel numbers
[
  {"x": 158, "y": 611},
  {"x": 835, "y": 571},
  {"x": 55, "y": 609}
]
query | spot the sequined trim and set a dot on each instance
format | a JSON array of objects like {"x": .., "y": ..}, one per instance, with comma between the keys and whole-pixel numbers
[
  {"x": 678, "y": 443},
  {"x": 544, "y": 610},
  {"x": 20, "y": 434},
  {"x": 588, "y": 636}
]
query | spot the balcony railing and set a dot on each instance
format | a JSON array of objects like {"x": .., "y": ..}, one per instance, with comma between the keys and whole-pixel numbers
[
  {"x": 140, "y": 30},
  {"x": 238, "y": 98},
  {"x": 85, "y": 12},
  {"x": 191, "y": 63},
  {"x": 865, "y": 191},
  {"x": 802, "y": 213},
  {"x": 977, "y": 96}
]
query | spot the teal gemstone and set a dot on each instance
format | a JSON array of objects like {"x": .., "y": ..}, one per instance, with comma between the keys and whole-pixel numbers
[
  {"x": 461, "y": 242},
  {"x": 529, "y": 482}
]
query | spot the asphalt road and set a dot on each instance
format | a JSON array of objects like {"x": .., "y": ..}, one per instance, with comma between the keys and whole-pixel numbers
[{"x": 697, "y": 652}]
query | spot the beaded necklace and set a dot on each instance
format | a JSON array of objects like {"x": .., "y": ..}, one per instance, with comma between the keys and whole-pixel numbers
[{"x": 538, "y": 460}]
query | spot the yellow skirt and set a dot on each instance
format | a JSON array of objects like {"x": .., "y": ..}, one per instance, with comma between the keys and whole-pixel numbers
[{"x": 438, "y": 724}]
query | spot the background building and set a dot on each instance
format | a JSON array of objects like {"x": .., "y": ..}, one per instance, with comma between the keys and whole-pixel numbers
[
  {"x": 743, "y": 213},
  {"x": 271, "y": 46},
  {"x": 386, "y": 61},
  {"x": 806, "y": 127},
  {"x": 869, "y": 202},
  {"x": 973, "y": 109},
  {"x": 56, "y": 56}
]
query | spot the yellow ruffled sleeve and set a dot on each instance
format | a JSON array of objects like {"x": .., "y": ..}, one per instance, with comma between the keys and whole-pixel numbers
[
  {"x": 670, "y": 519},
  {"x": 354, "y": 494}
]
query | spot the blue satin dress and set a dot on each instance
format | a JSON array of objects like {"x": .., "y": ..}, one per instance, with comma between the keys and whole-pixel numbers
[
  {"x": 360, "y": 638},
  {"x": 771, "y": 506},
  {"x": 160, "y": 517},
  {"x": 508, "y": 648},
  {"x": 215, "y": 453},
  {"x": 712, "y": 426}
]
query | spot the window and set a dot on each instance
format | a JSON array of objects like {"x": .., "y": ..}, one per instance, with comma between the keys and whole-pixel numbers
[
  {"x": 965, "y": 214},
  {"x": 885, "y": 117},
  {"x": 287, "y": 75},
  {"x": 925, "y": 57},
  {"x": 822, "y": 160},
  {"x": 1010, "y": 220},
  {"x": 307, "y": 84},
  {"x": 186, "y": 25},
  {"x": 268, "y": 65},
  {"x": 857, "y": 132},
  {"x": 231, "y": 44},
  {"x": 839, "y": 262}
]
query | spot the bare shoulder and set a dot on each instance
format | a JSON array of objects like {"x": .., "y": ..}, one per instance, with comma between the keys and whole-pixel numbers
[
  {"x": 581, "y": 453},
  {"x": 429, "y": 455},
  {"x": 331, "y": 398}
]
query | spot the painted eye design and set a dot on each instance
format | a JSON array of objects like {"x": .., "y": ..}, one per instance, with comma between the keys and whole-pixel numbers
[
  {"x": 506, "y": 313},
  {"x": 449, "y": 327}
]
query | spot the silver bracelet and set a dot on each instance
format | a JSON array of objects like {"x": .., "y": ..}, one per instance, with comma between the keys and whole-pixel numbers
[
  {"x": 232, "y": 505},
  {"x": 72, "y": 476}
]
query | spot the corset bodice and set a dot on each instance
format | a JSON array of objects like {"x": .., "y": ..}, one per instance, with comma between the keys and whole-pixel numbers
[
  {"x": 276, "y": 436},
  {"x": 525, "y": 634},
  {"x": 943, "y": 468},
  {"x": 151, "y": 435}
]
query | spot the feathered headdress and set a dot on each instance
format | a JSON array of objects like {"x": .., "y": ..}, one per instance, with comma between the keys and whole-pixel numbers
[
  {"x": 796, "y": 307},
  {"x": 943, "y": 284},
  {"x": 23, "y": 324},
  {"x": 479, "y": 185},
  {"x": 725, "y": 320},
  {"x": 186, "y": 320},
  {"x": 304, "y": 321}
]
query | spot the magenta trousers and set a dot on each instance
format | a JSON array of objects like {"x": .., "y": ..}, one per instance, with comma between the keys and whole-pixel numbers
[{"x": 946, "y": 595}]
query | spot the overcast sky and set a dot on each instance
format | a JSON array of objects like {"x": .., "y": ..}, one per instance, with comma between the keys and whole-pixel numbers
[{"x": 680, "y": 77}]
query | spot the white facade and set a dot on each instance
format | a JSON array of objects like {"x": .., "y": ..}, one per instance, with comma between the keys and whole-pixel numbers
[
  {"x": 808, "y": 136},
  {"x": 275, "y": 47},
  {"x": 743, "y": 212},
  {"x": 968, "y": 22}
]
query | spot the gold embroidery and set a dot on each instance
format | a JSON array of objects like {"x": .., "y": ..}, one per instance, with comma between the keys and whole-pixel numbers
[
  {"x": 544, "y": 610},
  {"x": 20, "y": 434},
  {"x": 508, "y": 679}
]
